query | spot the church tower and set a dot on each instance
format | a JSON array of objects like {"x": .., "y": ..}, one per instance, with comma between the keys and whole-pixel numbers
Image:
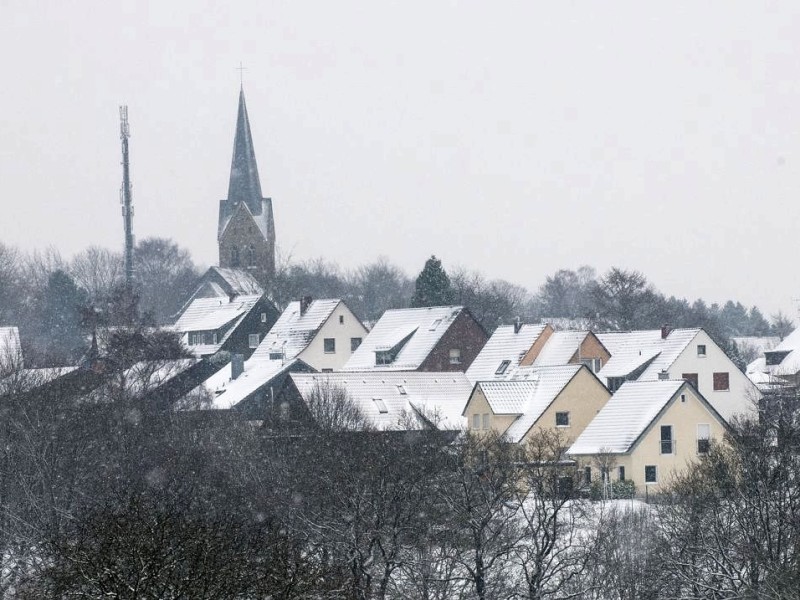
[{"x": 246, "y": 233}]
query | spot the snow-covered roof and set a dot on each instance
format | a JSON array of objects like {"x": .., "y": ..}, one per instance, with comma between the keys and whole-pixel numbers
[
  {"x": 227, "y": 393},
  {"x": 9, "y": 343},
  {"x": 760, "y": 343},
  {"x": 528, "y": 394},
  {"x": 560, "y": 347},
  {"x": 626, "y": 416},
  {"x": 425, "y": 326},
  {"x": 27, "y": 379},
  {"x": 238, "y": 282},
  {"x": 147, "y": 376},
  {"x": 425, "y": 397},
  {"x": 211, "y": 314},
  {"x": 632, "y": 350},
  {"x": 291, "y": 334},
  {"x": 504, "y": 345}
]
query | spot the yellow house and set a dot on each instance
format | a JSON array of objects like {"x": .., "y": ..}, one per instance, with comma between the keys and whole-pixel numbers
[
  {"x": 648, "y": 432},
  {"x": 563, "y": 398}
]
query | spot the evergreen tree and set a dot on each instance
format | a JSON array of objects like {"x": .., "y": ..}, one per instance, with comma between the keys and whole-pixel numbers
[
  {"x": 433, "y": 286},
  {"x": 57, "y": 322}
]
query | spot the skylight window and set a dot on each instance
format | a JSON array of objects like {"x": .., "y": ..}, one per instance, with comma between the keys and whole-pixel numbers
[
  {"x": 402, "y": 390},
  {"x": 381, "y": 405},
  {"x": 503, "y": 367},
  {"x": 435, "y": 324}
]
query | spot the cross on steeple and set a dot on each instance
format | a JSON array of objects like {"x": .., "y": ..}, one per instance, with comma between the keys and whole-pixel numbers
[{"x": 241, "y": 70}]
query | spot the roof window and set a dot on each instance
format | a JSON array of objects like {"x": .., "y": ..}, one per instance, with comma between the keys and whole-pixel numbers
[
  {"x": 503, "y": 367},
  {"x": 381, "y": 405}
]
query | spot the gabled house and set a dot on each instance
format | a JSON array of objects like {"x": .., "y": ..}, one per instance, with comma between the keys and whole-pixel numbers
[
  {"x": 435, "y": 339},
  {"x": 310, "y": 335},
  {"x": 561, "y": 398},
  {"x": 779, "y": 365},
  {"x": 648, "y": 432},
  {"x": 385, "y": 400},
  {"x": 689, "y": 354},
  {"x": 535, "y": 345},
  {"x": 235, "y": 324}
]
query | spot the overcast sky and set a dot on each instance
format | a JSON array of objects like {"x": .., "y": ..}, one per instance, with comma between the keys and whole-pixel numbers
[{"x": 512, "y": 138}]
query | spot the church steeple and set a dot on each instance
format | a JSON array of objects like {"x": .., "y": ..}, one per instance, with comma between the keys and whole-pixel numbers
[
  {"x": 246, "y": 232},
  {"x": 244, "y": 185}
]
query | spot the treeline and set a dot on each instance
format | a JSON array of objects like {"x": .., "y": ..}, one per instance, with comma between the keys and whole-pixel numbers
[
  {"x": 50, "y": 297},
  {"x": 111, "y": 497}
]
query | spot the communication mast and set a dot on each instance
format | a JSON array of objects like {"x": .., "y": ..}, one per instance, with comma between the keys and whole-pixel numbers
[{"x": 125, "y": 197}]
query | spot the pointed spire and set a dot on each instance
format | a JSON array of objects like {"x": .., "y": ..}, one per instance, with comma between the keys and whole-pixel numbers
[{"x": 244, "y": 185}]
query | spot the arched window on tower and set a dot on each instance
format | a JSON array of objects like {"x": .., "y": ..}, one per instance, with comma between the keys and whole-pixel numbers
[
  {"x": 251, "y": 256},
  {"x": 235, "y": 257}
]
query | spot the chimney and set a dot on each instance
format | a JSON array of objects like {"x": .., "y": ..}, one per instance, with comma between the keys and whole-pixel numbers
[
  {"x": 305, "y": 302},
  {"x": 517, "y": 325},
  {"x": 237, "y": 365},
  {"x": 665, "y": 331},
  {"x": 231, "y": 297},
  {"x": 663, "y": 375}
]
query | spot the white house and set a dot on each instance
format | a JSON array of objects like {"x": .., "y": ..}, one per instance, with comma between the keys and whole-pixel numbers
[{"x": 688, "y": 354}]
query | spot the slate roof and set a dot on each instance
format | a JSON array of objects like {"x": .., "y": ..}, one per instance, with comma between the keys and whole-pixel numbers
[
  {"x": 528, "y": 394},
  {"x": 291, "y": 334},
  {"x": 634, "y": 349},
  {"x": 209, "y": 314},
  {"x": 394, "y": 326},
  {"x": 503, "y": 345},
  {"x": 440, "y": 396},
  {"x": 626, "y": 416}
]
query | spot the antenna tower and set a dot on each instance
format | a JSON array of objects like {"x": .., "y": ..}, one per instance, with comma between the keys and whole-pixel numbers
[{"x": 125, "y": 197}]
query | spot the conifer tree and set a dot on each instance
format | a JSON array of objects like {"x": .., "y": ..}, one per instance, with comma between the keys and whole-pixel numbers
[{"x": 433, "y": 286}]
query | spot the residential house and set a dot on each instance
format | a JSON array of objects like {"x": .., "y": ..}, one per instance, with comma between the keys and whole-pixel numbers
[
  {"x": 648, "y": 432},
  {"x": 689, "y": 354},
  {"x": 394, "y": 400},
  {"x": 778, "y": 366},
  {"x": 228, "y": 311},
  {"x": 558, "y": 398},
  {"x": 535, "y": 345},
  {"x": 435, "y": 339},
  {"x": 310, "y": 335}
]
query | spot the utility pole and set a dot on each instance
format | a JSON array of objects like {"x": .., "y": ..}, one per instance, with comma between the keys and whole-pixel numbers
[{"x": 126, "y": 199}]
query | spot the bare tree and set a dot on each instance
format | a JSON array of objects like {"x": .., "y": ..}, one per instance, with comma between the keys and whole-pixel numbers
[
  {"x": 331, "y": 408},
  {"x": 98, "y": 271}
]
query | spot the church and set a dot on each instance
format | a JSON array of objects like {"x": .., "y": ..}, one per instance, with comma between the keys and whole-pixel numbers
[{"x": 246, "y": 232}]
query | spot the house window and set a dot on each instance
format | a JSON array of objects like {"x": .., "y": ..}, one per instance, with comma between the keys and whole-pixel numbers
[
  {"x": 503, "y": 367},
  {"x": 621, "y": 471},
  {"x": 235, "y": 257},
  {"x": 213, "y": 338},
  {"x": 486, "y": 421},
  {"x": 341, "y": 319},
  {"x": 263, "y": 317},
  {"x": 703, "y": 438},
  {"x": 329, "y": 345},
  {"x": 354, "y": 344},
  {"x": 435, "y": 324},
  {"x": 455, "y": 356},
  {"x": 721, "y": 382},
  {"x": 650, "y": 474},
  {"x": 691, "y": 378},
  {"x": 251, "y": 256},
  {"x": 381, "y": 405},
  {"x": 327, "y": 370},
  {"x": 562, "y": 419},
  {"x": 275, "y": 355},
  {"x": 598, "y": 364},
  {"x": 401, "y": 390},
  {"x": 667, "y": 446},
  {"x": 587, "y": 474},
  {"x": 252, "y": 340},
  {"x": 701, "y": 350},
  {"x": 476, "y": 421}
]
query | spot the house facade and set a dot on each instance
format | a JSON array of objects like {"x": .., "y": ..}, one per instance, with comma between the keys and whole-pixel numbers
[
  {"x": 648, "y": 433},
  {"x": 564, "y": 399}
]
